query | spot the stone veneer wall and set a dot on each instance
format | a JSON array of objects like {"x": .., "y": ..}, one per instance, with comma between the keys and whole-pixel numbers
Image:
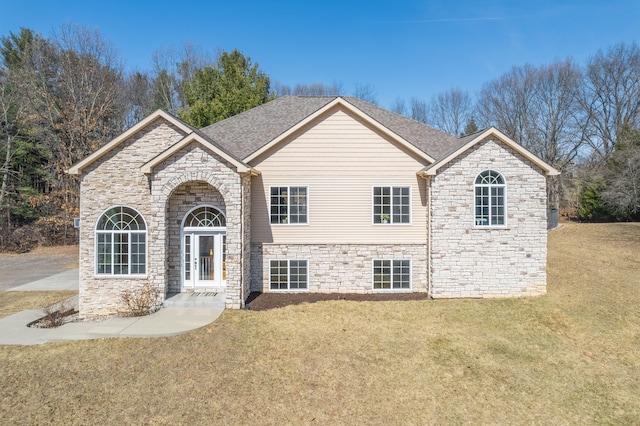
[
  {"x": 193, "y": 163},
  {"x": 246, "y": 237},
  {"x": 470, "y": 261},
  {"x": 116, "y": 180},
  {"x": 184, "y": 199},
  {"x": 338, "y": 268}
]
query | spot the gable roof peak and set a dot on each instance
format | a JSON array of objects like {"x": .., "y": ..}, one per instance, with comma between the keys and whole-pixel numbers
[{"x": 77, "y": 168}]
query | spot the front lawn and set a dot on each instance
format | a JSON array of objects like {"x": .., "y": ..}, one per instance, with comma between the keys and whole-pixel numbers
[{"x": 570, "y": 357}]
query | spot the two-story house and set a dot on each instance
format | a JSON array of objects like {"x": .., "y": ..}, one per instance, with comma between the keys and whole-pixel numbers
[{"x": 316, "y": 194}]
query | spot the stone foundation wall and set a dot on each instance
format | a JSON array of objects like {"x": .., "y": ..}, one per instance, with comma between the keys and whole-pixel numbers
[
  {"x": 473, "y": 261},
  {"x": 338, "y": 268}
]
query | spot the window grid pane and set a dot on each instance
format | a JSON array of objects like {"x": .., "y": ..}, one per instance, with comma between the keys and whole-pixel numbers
[
  {"x": 187, "y": 257},
  {"x": 401, "y": 274},
  {"x": 298, "y": 274},
  {"x": 401, "y": 205},
  {"x": 382, "y": 204},
  {"x": 279, "y": 275},
  {"x": 120, "y": 254},
  {"x": 138, "y": 253},
  {"x": 104, "y": 254},
  {"x": 391, "y": 204},
  {"x": 279, "y": 205},
  {"x": 381, "y": 274},
  {"x": 490, "y": 199},
  {"x": 298, "y": 204},
  {"x": 391, "y": 274}
]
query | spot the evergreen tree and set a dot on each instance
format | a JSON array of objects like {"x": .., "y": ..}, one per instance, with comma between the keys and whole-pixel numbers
[{"x": 216, "y": 93}]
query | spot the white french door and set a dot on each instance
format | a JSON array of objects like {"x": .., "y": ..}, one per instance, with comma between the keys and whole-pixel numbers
[{"x": 204, "y": 259}]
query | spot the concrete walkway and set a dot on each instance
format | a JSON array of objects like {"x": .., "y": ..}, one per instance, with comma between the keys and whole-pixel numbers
[{"x": 182, "y": 313}]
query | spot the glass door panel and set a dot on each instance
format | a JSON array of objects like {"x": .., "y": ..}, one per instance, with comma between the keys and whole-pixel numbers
[
  {"x": 187, "y": 258},
  {"x": 207, "y": 258}
]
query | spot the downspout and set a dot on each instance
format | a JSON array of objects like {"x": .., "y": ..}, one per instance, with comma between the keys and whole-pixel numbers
[
  {"x": 242, "y": 242},
  {"x": 429, "y": 264}
]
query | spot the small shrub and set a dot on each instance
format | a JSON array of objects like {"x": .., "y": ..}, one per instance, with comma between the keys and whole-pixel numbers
[
  {"x": 55, "y": 315},
  {"x": 140, "y": 301}
]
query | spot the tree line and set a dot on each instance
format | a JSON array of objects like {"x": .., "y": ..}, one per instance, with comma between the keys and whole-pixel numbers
[{"x": 64, "y": 96}]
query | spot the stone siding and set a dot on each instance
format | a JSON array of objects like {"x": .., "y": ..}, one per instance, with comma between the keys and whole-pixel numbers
[
  {"x": 184, "y": 199},
  {"x": 217, "y": 183},
  {"x": 246, "y": 238},
  {"x": 470, "y": 261},
  {"x": 338, "y": 268},
  {"x": 116, "y": 180}
]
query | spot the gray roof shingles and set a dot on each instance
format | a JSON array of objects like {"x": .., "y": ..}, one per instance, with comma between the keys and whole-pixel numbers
[{"x": 245, "y": 133}]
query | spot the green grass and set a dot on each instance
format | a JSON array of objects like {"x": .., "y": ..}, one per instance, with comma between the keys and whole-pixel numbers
[{"x": 570, "y": 357}]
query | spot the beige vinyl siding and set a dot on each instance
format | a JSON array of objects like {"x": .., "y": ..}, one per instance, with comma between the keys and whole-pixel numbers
[{"x": 339, "y": 159}]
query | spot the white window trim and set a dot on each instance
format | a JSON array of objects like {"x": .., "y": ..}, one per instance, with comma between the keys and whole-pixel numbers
[
  {"x": 387, "y": 290},
  {"x": 392, "y": 223},
  {"x": 289, "y": 204},
  {"x": 95, "y": 247},
  {"x": 506, "y": 203},
  {"x": 288, "y": 289}
]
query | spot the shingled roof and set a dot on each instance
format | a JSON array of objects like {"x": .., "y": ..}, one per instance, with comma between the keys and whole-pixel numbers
[{"x": 245, "y": 133}]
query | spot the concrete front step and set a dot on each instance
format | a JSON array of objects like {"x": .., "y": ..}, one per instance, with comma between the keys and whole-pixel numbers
[{"x": 209, "y": 299}]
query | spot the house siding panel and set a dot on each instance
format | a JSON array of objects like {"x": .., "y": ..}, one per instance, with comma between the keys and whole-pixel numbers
[{"x": 340, "y": 160}]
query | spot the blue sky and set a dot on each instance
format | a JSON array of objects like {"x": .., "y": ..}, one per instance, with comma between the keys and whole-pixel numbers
[{"x": 401, "y": 48}]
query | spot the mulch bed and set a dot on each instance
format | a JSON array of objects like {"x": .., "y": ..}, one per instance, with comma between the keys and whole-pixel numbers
[{"x": 264, "y": 301}]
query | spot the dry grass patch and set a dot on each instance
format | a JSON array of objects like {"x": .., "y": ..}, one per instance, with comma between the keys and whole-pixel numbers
[
  {"x": 12, "y": 302},
  {"x": 570, "y": 357}
]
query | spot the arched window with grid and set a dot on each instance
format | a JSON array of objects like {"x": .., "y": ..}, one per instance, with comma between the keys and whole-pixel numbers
[
  {"x": 490, "y": 199},
  {"x": 121, "y": 242}
]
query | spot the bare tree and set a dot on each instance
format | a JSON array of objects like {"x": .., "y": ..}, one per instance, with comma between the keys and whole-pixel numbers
[
  {"x": 279, "y": 89},
  {"x": 172, "y": 68},
  {"x": 419, "y": 110},
  {"x": 366, "y": 92},
  {"x": 539, "y": 107},
  {"x": 76, "y": 104},
  {"x": 504, "y": 102},
  {"x": 318, "y": 89},
  {"x": 451, "y": 110},
  {"x": 622, "y": 174},
  {"x": 399, "y": 106},
  {"x": 612, "y": 96}
]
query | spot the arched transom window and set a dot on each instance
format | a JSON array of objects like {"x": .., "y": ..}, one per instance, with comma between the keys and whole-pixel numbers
[
  {"x": 205, "y": 217},
  {"x": 121, "y": 242},
  {"x": 490, "y": 204}
]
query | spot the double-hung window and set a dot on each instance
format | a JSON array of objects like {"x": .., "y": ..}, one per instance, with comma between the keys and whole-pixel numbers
[
  {"x": 391, "y": 204},
  {"x": 288, "y": 274},
  {"x": 121, "y": 243},
  {"x": 391, "y": 274},
  {"x": 289, "y": 205},
  {"x": 490, "y": 204}
]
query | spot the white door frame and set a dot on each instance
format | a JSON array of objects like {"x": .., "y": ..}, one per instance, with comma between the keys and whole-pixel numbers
[
  {"x": 191, "y": 259},
  {"x": 200, "y": 266}
]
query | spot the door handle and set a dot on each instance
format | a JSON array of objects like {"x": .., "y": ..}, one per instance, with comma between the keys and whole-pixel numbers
[{"x": 195, "y": 263}]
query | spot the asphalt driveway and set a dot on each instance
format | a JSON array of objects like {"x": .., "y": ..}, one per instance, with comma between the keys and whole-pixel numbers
[{"x": 18, "y": 269}]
